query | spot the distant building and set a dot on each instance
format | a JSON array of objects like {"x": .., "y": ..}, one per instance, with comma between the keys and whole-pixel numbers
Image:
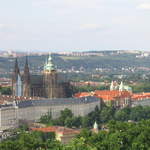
[
  {"x": 140, "y": 96},
  {"x": 144, "y": 102},
  {"x": 49, "y": 84},
  {"x": 63, "y": 134},
  {"x": 115, "y": 86},
  {"x": 116, "y": 98}
]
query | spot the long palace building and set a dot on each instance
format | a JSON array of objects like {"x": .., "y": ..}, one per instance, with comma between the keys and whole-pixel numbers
[{"x": 49, "y": 84}]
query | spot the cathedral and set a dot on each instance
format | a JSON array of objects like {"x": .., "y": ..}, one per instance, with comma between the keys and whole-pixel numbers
[{"x": 50, "y": 84}]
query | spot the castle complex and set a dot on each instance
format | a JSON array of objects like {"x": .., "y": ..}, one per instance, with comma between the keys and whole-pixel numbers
[
  {"x": 49, "y": 84},
  {"x": 35, "y": 95}
]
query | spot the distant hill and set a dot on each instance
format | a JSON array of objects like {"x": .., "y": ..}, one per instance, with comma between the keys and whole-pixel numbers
[{"x": 110, "y": 60}]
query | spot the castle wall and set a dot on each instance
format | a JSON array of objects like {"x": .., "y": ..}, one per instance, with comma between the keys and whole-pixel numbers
[
  {"x": 32, "y": 110},
  {"x": 8, "y": 117},
  {"x": 35, "y": 112},
  {"x": 145, "y": 102}
]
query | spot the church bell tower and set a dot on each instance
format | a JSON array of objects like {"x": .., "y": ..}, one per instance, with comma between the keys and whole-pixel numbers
[{"x": 50, "y": 79}]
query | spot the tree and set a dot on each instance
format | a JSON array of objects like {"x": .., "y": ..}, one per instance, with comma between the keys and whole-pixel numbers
[
  {"x": 107, "y": 113},
  {"x": 5, "y": 90}
]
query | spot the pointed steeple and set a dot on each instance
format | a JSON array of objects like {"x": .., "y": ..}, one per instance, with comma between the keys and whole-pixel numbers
[
  {"x": 15, "y": 72},
  {"x": 26, "y": 80},
  {"x": 121, "y": 86},
  {"x": 112, "y": 86},
  {"x": 16, "y": 69},
  {"x": 95, "y": 127},
  {"x": 26, "y": 68},
  {"x": 26, "y": 71}
]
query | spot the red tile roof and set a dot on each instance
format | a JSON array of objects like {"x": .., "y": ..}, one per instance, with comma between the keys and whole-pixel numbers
[
  {"x": 47, "y": 129},
  {"x": 57, "y": 129},
  {"x": 141, "y": 96},
  {"x": 83, "y": 94},
  {"x": 106, "y": 94}
]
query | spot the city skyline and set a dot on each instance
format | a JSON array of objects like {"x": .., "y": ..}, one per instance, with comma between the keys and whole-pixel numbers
[{"x": 74, "y": 25}]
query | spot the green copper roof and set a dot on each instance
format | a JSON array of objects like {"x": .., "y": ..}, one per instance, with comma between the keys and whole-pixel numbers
[{"x": 49, "y": 66}]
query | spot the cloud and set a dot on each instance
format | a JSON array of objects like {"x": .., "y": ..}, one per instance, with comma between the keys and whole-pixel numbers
[
  {"x": 145, "y": 6},
  {"x": 7, "y": 27},
  {"x": 3, "y": 26},
  {"x": 91, "y": 27},
  {"x": 67, "y": 3},
  {"x": 83, "y": 3}
]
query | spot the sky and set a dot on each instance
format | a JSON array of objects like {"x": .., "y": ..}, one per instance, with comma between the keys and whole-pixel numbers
[{"x": 65, "y": 25}]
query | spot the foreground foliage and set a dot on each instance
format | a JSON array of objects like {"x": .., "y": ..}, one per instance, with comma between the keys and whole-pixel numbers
[
  {"x": 101, "y": 116},
  {"x": 119, "y": 136}
]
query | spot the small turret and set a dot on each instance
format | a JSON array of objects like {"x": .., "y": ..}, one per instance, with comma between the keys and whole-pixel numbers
[
  {"x": 112, "y": 86},
  {"x": 121, "y": 86},
  {"x": 95, "y": 127}
]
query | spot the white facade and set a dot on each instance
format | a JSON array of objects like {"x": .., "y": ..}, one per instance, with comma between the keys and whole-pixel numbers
[{"x": 18, "y": 86}]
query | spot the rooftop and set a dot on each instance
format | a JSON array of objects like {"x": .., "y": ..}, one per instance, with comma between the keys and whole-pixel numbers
[
  {"x": 22, "y": 102},
  {"x": 58, "y": 129},
  {"x": 105, "y": 94}
]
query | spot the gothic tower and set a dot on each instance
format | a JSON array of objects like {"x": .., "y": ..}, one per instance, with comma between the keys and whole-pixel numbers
[
  {"x": 50, "y": 79},
  {"x": 26, "y": 80},
  {"x": 121, "y": 86},
  {"x": 16, "y": 81}
]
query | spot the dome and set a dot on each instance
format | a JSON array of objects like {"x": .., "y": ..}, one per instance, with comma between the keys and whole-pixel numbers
[{"x": 49, "y": 66}]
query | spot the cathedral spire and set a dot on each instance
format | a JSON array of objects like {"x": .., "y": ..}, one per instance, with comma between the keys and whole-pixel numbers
[
  {"x": 26, "y": 68},
  {"x": 26, "y": 71},
  {"x": 26, "y": 79},
  {"x": 16, "y": 69}
]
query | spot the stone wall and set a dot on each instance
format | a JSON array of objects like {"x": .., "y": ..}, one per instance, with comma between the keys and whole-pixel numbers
[
  {"x": 32, "y": 110},
  {"x": 8, "y": 117},
  {"x": 145, "y": 102},
  {"x": 35, "y": 112}
]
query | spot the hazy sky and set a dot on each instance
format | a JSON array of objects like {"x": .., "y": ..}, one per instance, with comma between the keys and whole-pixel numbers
[{"x": 75, "y": 24}]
